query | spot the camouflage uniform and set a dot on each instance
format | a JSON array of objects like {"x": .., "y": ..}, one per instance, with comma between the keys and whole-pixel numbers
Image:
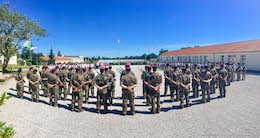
[
  {"x": 63, "y": 85},
  {"x": 109, "y": 89},
  {"x": 91, "y": 85},
  {"x": 77, "y": 81},
  {"x": 168, "y": 72},
  {"x": 113, "y": 83},
  {"x": 44, "y": 75},
  {"x": 54, "y": 91},
  {"x": 222, "y": 83},
  {"x": 124, "y": 72},
  {"x": 238, "y": 70},
  {"x": 156, "y": 79},
  {"x": 244, "y": 72},
  {"x": 229, "y": 70},
  {"x": 70, "y": 74},
  {"x": 35, "y": 87},
  {"x": 102, "y": 80},
  {"x": 185, "y": 80},
  {"x": 174, "y": 87},
  {"x": 85, "y": 88},
  {"x": 19, "y": 85},
  {"x": 147, "y": 78},
  {"x": 205, "y": 86},
  {"x": 214, "y": 74},
  {"x": 128, "y": 80},
  {"x": 28, "y": 75},
  {"x": 144, "y": 89},
  {"x": 195, "y": 83}
]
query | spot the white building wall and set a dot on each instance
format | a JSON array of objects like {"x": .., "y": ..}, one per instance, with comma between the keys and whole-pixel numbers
[
  {"x": 251, "y": 58},
  {"x": 13, "y": 60}
]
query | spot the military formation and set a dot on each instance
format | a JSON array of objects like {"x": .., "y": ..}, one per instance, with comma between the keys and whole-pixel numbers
[{"x": 59, "y": 81}]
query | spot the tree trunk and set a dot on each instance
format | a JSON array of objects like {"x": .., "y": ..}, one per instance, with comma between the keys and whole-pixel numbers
[{"x": 5, "y": 64}]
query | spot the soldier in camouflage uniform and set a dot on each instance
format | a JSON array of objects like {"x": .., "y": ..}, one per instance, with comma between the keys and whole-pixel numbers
[
  {"x": 223, "y": 74},
  {"x": 85, "y": 88},
  {"x": 91, "y": 85},
  {"x": 184, "y": 88},
  {"x": 205, "y": 84},
  {"x": 154, "y": 84},
  {"x": 113, "y": 81},
  {"x": 53, "y": 85},
  {"x": 19, "y": 84},
  {"x": 70, "y": 74},
  {"x": 167, "y": 73},
  {"x": 124, "y": 72},
  {"x": 214, "y": 74},
  {"x": 109, "y": 89},
  {"x": 244, "y": 71},
  {"x": 28, "y": 75},
  {"x": 34, "y": 80},
  {"x": 44, "y": 79},
  {"x": 63, "y": 85},
  {"x": 229, "y": 70},
  {"x": 128, "y": 83},
  {"x": 142, "y": 78},
  {"x": 77, "y": 81},
  {"x": 147, "y": 78},
  {"x": 101, "y": 81},
  {"x": 238, "y": 70},
  {"x": 174, "y": 82},
  {"x": 196, "y": 74}
]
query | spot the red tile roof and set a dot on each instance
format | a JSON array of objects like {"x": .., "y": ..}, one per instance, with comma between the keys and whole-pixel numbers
[
  {"x": 246, "y": 46},
  {"x": 57, "y": 58}
]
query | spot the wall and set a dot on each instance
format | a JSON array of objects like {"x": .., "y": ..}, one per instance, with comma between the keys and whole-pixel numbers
[{"x": 13, "y": 60}]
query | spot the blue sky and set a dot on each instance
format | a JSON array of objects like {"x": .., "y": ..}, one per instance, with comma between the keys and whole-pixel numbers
[{"x": 92, "y": 27}]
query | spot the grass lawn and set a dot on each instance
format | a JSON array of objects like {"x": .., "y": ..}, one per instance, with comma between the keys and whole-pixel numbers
[{"x": 14, "y": 67}]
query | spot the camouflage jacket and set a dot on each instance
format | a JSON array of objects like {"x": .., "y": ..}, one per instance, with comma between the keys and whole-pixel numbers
[
  {"x": 77, "y": 80},
  {"x": 19, "y": 77},
  {"x": 185, "y": 79},
  {"x": 206, "y": 76},
  {"x": 34, "y": 78},
  {"x": 102, "y": 80},
  {"x": 53, "y": 79},
  {"x": 156, "y": 79},
  {"x": 168, "y": 72},
  {"x": 196, "y": 74},
  {"x": 223, "y": 73},
  {"x": 128, "y": 80},
  {"x": 29, "y": 73},
  {"x": 124, "y": 72}
]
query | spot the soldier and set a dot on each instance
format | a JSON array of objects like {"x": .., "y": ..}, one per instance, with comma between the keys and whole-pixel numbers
[
  {"x": 229, "y": 70},
  {"x": 167, "y": 73},
  {"x": 147, "y": 79},
  {"x": 124, "y": 72},
  {"x": 53, "y": 82},
  {"x": 223, "y": 74},
  {"x": 102, "y": 83},
  {"x": 244, "y": 69},
  {"x": 34, "y": 81},
  {"x": 142, "y": 78},
  {"x": 76, "y": 83},
  {"x": 109, "y": 89},
  {"x": 113, "y": 81},
  {"x": 154, "y": 84},
  {"x": 206, "y": 78},
  {"x": 19, "y": 83},
  {"x": 91, "y": 85},
  {"x": 86, "y": 79},
  {"x": 184, "y": 88},
  {"x": 174, "y": 82},
  {"x": 196, "y": 76},
  {"x": 28, "y": 75},
  {"x": 238, "y": 70},
  {"x": 70, "y": 74},
  {"x": 63, "y": 85},
  {"x": 128, "y": 83},
  {"x": 44, "y": 77},
  {"x": 214, "y": 74}
]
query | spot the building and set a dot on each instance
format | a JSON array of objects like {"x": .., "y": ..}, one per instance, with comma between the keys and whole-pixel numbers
[
  {"x": 13, "y": 60},
  {"x": 247, "y": 52},
  {"x": 75, "y": 59},
  {"x": 121, "y": 61}
]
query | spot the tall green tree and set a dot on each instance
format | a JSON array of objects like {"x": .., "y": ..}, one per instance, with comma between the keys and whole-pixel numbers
[
  {"x": 162, "y": 51},
  {"x": 14, "y": 29},
  {"x": 52, "y": 57},
  {"x": 59, "y": 53}
]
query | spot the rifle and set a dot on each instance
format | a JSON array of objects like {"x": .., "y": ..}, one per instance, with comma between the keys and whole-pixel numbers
[
  {"x": 97, "y": 71},
  {"x": 141, "y": 70},
  {"x": 120, "y": 71}
]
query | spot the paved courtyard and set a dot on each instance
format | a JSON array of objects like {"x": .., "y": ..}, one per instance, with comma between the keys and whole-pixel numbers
[{"x": 237, "y": 115}]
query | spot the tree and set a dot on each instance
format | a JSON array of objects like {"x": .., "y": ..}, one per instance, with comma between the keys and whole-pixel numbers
[
  {"x": 52, "y": 57},
  {"x": 14, "y": 29},
  {"x": 152, "y": 55},
  {"x": 162, "y": 51},
  {"x": 59, "y": 53}
]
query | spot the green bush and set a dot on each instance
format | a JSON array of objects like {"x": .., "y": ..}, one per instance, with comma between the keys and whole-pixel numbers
[
  {"x": 3, "y": 98},
  {"x": 6, "y": 131},
  {"x": 21, "y": 62},
  {"x": 28, "y": 63}
]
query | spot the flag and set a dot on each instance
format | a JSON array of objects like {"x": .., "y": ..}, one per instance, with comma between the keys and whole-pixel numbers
[
  {"x": 32, "y": 48},
  {"x": 27, "y": 43},
  {"x": 118, "y": 41}
]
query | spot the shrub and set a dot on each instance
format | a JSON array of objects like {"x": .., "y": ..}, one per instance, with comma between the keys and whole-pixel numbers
[
  {"x": 28, "y": 63},
  {"x": 3, "y": 98},
  {"x": 6, "y": 131}
]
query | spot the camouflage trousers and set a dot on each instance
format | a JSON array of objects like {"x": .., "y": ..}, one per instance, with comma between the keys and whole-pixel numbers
[
  {"x": 91, "y": 88},
  {"x": 195, "y": 89},
  {"x": 213, "y": 86},
  {"x": 128, "y": 96},
  {"x": 63, "y": 90},
  {"x": 243, "y": 75},
  {"x": 148, "y": 95},
  {"x": 238, "y": 76},
  {"x": 85, "y": 93},
  {"x": 222, "y": 88},
  {"x": 102, "y": 100},
  {"x": 78, "y": 95},
  {"x": 184, "y": 93},
  {"x": 69, "y": 89},
  {"x": 45, "y": 88},
  {"x": 155, "y": 97},
  {"x": 30, "y": 88},
  {"x": 35, "y": 92},
  {"x": 228, "y": 80},
  {"x": 205, "y": 91},
  {"x": 54, "y": 95},
  {"x": 174, "y": 91},
  {"x": 19, "y": 88},
  {"x": 166, "y": 85},
  {"x": 144, "y": 91},
  {"x": 110, "y": 95}
]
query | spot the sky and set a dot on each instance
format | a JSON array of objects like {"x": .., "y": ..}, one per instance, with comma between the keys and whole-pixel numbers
[{"x": 92, "y": 27}]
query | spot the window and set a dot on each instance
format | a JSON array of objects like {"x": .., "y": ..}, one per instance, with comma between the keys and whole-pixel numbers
[
  {"x": 172, "y": 59},
  {"x": 231, "y": 58},
  {"x": 206, "y": 59},
  {"x": 222, "y": 58},
  {"x": 189, "y": 59},
  {"x": 243, "y": 59},
  {"x": 200, "y": 59}
]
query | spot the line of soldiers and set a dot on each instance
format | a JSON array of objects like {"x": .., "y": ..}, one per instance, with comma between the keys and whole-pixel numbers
[{"x": 59, "y": 82}]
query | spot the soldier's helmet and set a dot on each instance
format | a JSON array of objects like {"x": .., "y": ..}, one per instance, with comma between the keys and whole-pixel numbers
[
  {"x": 127, "y": 65},
  {"x": 167, "y": 64},
  {"x": 30, "y": 68},
  {"x": 84, "y": 69},
  {"x": 90, "y": 67},
  {"x": 110, "y": 67},
  {"x": 19, "y": 70}
]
